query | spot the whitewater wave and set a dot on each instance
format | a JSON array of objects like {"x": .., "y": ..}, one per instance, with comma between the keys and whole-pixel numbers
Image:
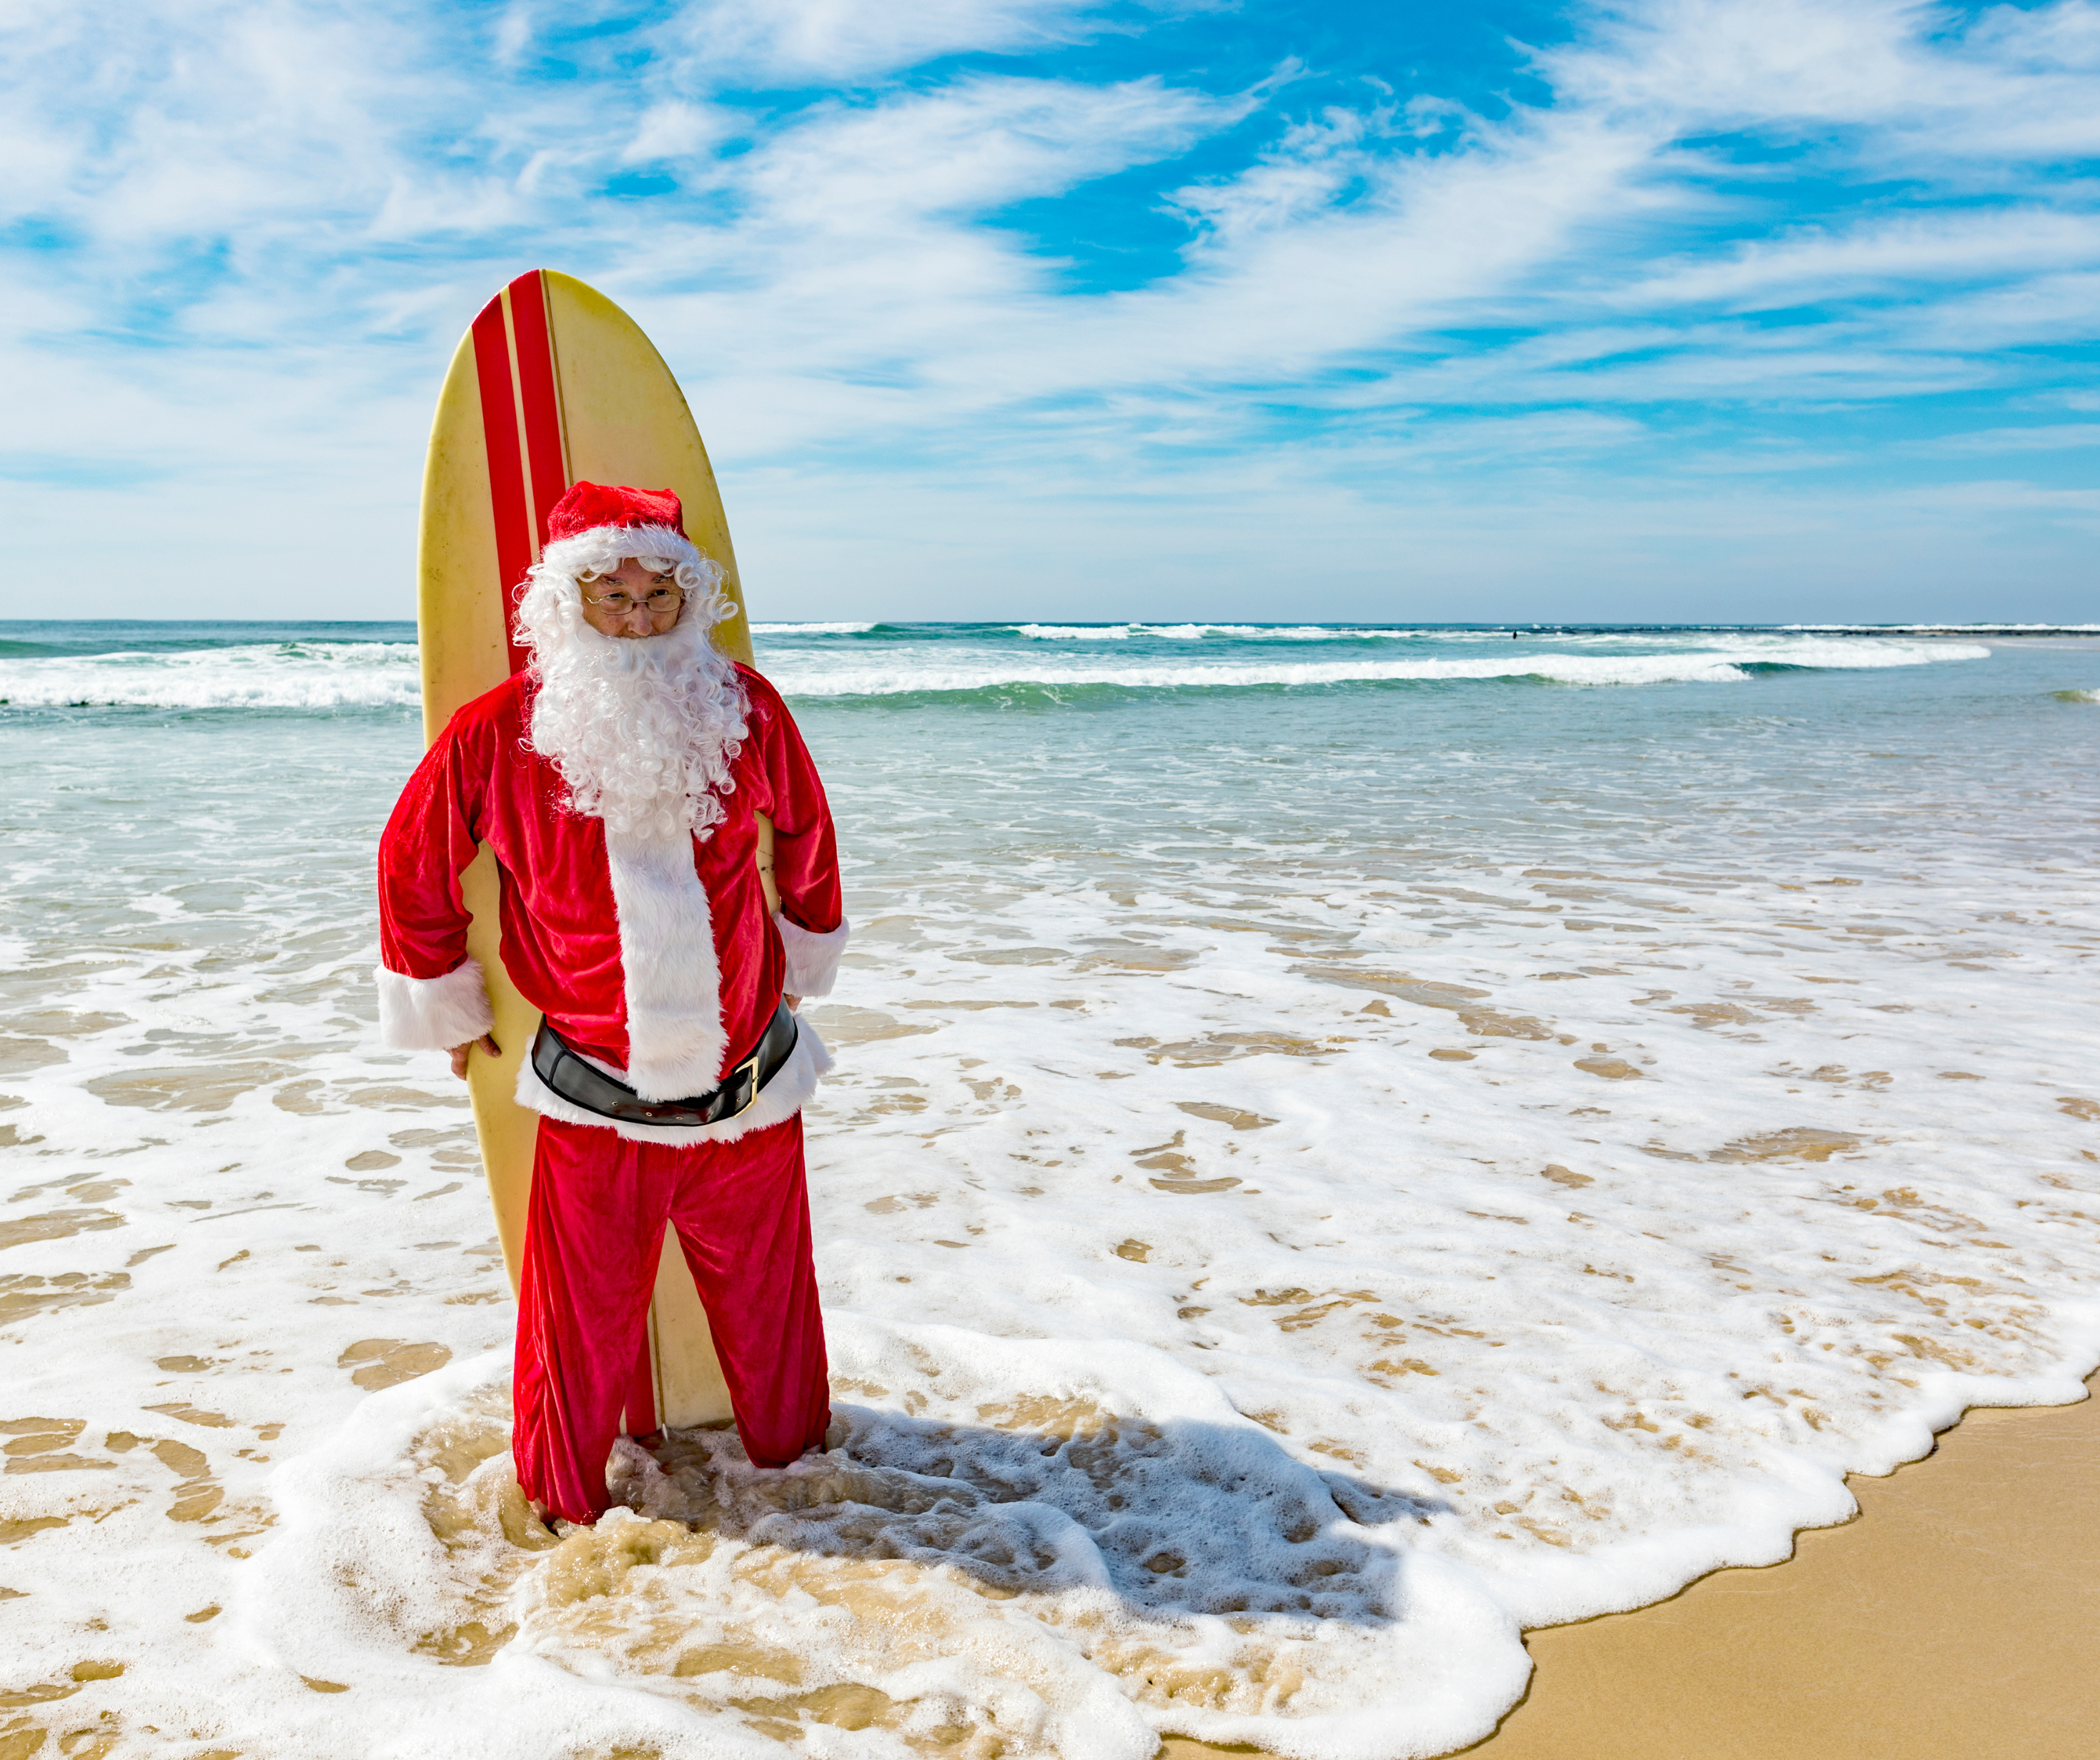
[
  {"x": 1197, "y": 632},
  {"x": 321, "y": 675},
  {"x": 313, "y": 675},
  {"x": 1944, "y": 629},
  {"x": 815, "y": 677},
  {"x": 811, "y": 629}
]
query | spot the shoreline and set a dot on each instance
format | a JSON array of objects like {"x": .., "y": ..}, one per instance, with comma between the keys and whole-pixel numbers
[
  {"x": 1465, "y": 1096},
  {"x": 1958, "y": 1613}
]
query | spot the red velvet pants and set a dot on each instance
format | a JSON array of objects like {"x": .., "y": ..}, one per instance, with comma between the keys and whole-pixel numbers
[{"x": 594, "y": 1236}]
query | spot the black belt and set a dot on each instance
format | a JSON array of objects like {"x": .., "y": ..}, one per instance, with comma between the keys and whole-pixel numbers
[{"x": 584, "y": 1084}]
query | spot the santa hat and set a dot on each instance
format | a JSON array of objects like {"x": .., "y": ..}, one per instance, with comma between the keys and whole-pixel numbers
[{"x": 595, "y": 526}]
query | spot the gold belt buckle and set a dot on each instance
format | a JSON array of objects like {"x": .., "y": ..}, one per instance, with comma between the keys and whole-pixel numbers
[{"x": 750, "y": 1063}]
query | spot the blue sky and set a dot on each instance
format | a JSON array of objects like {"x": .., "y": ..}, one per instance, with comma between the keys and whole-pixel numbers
[{"x": 1669, "y": 309}]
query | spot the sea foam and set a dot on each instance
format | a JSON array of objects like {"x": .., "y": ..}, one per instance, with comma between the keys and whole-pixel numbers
[
  {"x": 803, "y": 673},
  {"x": 315, "y": 675},
  {"x": 812, "y": 629},
  {"x": 1262, "y": 632},
  {"x": 829, "y": 660},
  {"x": 1313, "y": 1184}
]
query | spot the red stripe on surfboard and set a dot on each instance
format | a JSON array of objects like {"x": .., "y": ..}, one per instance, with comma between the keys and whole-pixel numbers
[
  {"x": 541, "y": 400},
  {"x": 506, "y": 468},
  {"x": 640, "y": 1413}
]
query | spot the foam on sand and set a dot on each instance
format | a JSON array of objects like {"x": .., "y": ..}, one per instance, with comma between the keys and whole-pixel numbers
[
  {"x": 1025, "y": 1577},
  {"x": 1954, "y": 1617},
  {"x": 1231, "y": 1399},
  {"x": 1305, "y": 1194}
]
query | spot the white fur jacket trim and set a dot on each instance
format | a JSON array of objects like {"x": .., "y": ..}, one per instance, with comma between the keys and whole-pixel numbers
[
  {"x": 433, "y": 1014},
  {"x": 779, "y": 1101},
  {"x": 675, "y": 1042},
  {"x": 812, "y": 959}
]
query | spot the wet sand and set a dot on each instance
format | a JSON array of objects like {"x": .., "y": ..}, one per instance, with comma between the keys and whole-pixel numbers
[
  {"x": 1958, "y": 1615},
  {"x": 1764, "y": 1074}
]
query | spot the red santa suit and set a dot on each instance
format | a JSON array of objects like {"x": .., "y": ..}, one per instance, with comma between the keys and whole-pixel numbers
[{"x": 649, "y": 949}]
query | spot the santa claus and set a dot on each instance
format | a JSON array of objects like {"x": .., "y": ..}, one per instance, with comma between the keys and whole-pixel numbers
[{"x": 618, "y": 780}]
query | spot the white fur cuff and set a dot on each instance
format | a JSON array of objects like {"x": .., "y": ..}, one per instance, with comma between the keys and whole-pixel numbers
[
  {"x": 433, "y": 1014},
  {"x": 812, "y": 959}
]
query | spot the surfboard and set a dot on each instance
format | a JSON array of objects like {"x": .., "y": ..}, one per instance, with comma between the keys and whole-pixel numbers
[{"x": 554, "y": 384}]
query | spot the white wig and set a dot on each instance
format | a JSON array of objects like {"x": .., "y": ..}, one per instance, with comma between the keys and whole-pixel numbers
[{"x": 642, "y": 730}]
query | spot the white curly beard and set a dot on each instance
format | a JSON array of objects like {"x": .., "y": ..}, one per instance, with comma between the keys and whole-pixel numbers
[{"x": 642, "y": 730}]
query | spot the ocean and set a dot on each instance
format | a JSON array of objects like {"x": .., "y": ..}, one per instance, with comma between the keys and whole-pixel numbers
[{"x": 1348, "y": 1143}]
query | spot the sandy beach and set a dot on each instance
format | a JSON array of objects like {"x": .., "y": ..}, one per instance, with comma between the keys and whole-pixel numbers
[
  {"x": 1323, "y": 1179},
  {"x": 1954, "y": 1615}
]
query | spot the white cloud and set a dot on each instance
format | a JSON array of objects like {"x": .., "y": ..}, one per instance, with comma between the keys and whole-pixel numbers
[
  {"x": 798, "y": 42},
  {"x": 973, "y": 147},
  {"x": 675, "y": 130},
  {"x": 1816, "y": 264},
  {"x": 2017, "y": 85},
  {"x": 283, "y": 216},
  {"x": 2012, "y": 495},
  {"x": 2046, "y": 308},
  {"x": 2057, "y": 437}
]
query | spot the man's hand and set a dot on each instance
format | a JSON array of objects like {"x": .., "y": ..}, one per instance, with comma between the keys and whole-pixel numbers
[
  {"x": 486, "y": 1041},
  {"x": 794, "y": 1004}
]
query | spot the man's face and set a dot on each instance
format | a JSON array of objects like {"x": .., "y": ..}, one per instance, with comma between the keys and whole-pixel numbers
[{"x": 632, "y": 600}]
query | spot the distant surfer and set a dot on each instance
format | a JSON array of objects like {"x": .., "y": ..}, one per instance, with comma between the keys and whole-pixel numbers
[{"x": 617, "y": 780}]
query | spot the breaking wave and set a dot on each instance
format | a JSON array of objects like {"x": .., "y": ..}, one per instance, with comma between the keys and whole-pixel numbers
[
  {"x": 812, "y": 629},
  {"x": 814, "y": 675},
  {"x": 878, "y": 660},
  {"x": 293, "y": 674}
]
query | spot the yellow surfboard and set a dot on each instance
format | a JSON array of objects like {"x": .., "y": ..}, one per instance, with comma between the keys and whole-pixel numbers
[{"x": 553, "y": 384}]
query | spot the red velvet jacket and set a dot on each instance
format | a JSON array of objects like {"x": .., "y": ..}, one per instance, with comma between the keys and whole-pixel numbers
[{"x": 636, "y": 965}]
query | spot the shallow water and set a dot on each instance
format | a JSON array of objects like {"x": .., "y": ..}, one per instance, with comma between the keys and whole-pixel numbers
[{"x": 1346, "y": 1145}]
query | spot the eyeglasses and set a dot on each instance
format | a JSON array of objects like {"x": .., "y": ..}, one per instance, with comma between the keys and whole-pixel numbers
[{"x": 656, "y": 602}]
